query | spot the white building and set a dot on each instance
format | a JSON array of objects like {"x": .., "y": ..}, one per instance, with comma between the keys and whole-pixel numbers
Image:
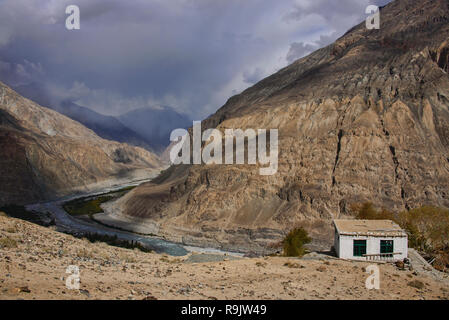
[{"x": 370, "y": 240}]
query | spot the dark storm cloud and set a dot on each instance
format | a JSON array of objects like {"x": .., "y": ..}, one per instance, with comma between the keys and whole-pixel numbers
[
  {"x": 253, "y": 76},
  {"x": 338, "y": 17},
  {"x": 298, "y": 50},
  {"x": 190, "y": 54}
]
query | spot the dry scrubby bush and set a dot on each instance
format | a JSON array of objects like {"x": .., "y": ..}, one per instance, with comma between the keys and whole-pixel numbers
[
  {"x": 85, "y": 254},
  {"x": 321, "y": 269},
  {"x": 416, "y": 284},
  {"x": 7, "y": 242},
  {"x": 293, "y": 265},
  {"x": 167, "y": 260},
  {"x": 427, "y": 229},
  {"x": 294, "y": 242},
  {"x": 11, "y": 230},
  {"x": 127, "y": 258}
]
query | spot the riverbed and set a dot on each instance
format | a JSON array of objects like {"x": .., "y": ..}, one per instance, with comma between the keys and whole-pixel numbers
[{"x": 82, "y": 225}]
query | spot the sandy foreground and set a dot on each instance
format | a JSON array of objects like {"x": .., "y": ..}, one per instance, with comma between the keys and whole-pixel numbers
[{"x": 34, "y": 261}]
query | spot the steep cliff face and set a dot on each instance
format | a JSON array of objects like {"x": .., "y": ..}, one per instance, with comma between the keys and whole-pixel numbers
[
  {"x": 364, "y": 119},
  {"x": 44, "y": 154}
]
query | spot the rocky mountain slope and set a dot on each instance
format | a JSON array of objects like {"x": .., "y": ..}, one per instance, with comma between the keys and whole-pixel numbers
[
  {"x": 363, "y": 119},
  {"x": 47, "y": 155}
]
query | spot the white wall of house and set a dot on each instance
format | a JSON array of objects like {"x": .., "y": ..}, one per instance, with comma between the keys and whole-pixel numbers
[{"x": 344, "y": 246}]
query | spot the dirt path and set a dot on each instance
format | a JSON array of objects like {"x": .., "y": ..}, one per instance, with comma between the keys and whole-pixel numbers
[{"x": 423, "y": 267}]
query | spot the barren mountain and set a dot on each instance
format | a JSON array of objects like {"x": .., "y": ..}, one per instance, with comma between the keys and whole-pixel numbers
[
  {"x": 46, "y": 155},
  {"x": 363, "y": 119}
]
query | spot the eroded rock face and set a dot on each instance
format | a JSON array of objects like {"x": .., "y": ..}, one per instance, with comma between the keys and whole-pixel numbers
[
  {"x": 364, "y": 119},
  {"x": 46, "y": 155}
]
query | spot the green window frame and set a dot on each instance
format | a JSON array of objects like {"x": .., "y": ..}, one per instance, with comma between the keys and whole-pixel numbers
[
  {"x": 386, "y": 246},
  {"x": 359, "y": 248}
]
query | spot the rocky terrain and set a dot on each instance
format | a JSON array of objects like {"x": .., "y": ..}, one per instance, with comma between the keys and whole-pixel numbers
[
  {"x": 45, "y": 155},
  {"x": 33, "y": 263},
  {"x": 363, "y": 119}
]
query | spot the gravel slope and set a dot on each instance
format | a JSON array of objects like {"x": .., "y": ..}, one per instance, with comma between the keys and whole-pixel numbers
[{"x": 35, "y": 269}]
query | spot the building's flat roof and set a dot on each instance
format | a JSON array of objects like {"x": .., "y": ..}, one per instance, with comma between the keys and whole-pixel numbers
[{"x": 377, "y": 228}]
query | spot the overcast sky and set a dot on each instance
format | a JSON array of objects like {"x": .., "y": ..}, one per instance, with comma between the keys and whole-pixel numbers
[{"x": 189, "y": 54}]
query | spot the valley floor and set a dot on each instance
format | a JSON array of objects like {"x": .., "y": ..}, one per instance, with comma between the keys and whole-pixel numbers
[{"x": 33, "y": 262}]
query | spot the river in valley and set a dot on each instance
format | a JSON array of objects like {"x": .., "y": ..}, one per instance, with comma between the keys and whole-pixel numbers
[{"x": 82, "y": 225}]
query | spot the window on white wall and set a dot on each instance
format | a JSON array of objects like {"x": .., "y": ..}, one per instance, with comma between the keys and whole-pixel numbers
[
  {"x": 359, "y": 248},
  {"x": 386, "y": 246}
]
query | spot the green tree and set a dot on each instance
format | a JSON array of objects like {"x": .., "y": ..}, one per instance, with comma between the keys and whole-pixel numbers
[{"x": 294, "y": 242}]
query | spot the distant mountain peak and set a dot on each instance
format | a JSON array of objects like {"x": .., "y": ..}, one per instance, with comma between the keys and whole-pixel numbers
[{"x": 147, "y": 127}]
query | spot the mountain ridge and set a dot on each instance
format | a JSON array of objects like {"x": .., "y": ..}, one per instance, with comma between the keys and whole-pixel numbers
[
  {"x": 363, "y": 119},
  {"x": 47, "y": 155},
  {"x": 148, "y": 128}
]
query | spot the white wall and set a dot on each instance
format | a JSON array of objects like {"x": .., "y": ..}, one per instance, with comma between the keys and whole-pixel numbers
[{"x": 345, "y": 246}]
